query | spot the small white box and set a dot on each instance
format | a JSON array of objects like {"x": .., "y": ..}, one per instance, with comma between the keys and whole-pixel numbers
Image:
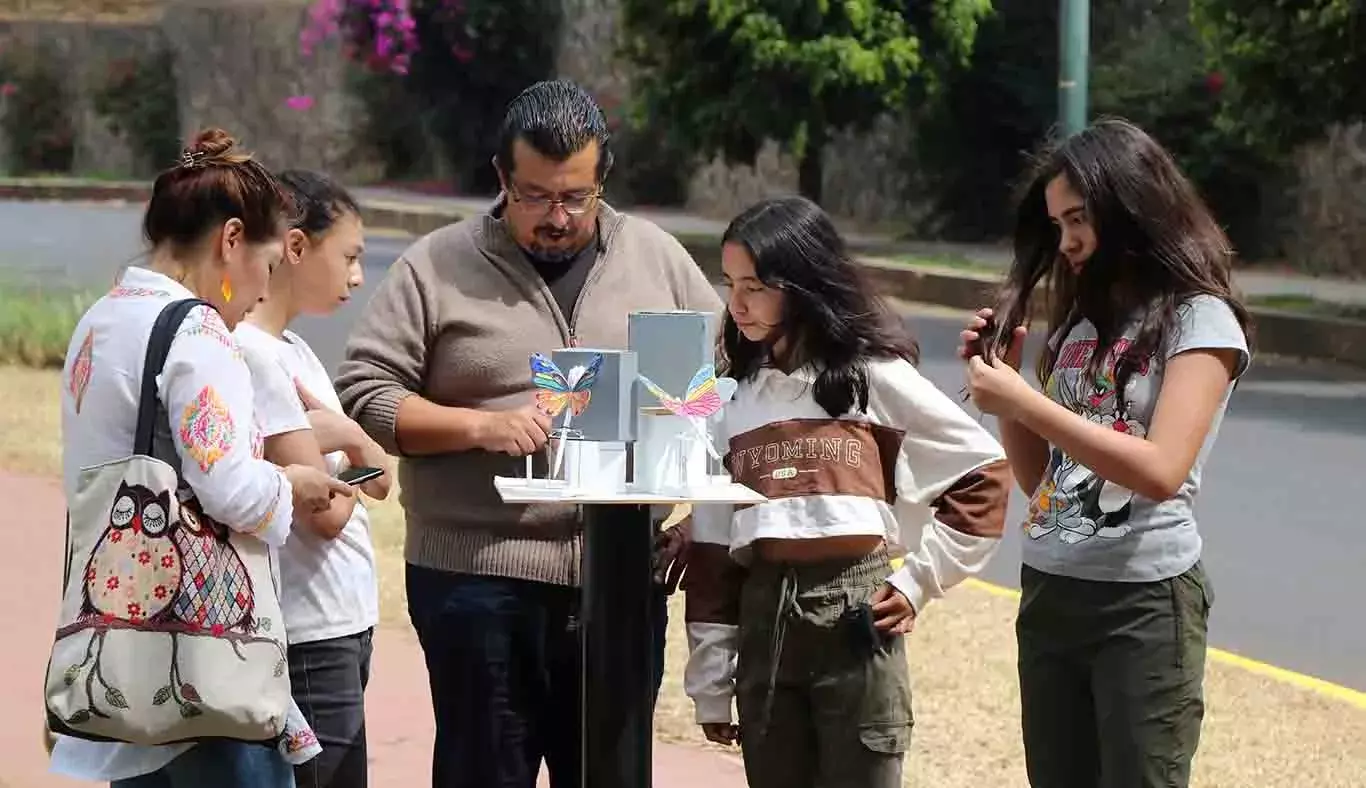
[
  {"x": 670, "y": 455},
  {"x": 597, "y": 466}
]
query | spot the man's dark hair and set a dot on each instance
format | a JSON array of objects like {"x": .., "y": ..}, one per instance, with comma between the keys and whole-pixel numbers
[{"x": 558, "y": 119}]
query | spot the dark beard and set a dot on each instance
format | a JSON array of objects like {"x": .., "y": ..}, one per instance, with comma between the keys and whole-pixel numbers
[
  {"x": 541, "y": 256},
  {"x": 551, "y": 257}
]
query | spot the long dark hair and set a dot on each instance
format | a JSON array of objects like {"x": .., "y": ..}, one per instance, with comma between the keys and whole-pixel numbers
[
  {"x": 1156, "y": 245},
  {"x": 832, "y": 320}
]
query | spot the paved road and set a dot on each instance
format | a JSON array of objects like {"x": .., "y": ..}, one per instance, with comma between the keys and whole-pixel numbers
[{"x": 1286, "y": 543}]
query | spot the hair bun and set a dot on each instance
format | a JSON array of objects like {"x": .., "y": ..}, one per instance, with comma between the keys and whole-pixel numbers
[
  {"x": 213, "y": 146},
  {"x": 212, "y": 142}
]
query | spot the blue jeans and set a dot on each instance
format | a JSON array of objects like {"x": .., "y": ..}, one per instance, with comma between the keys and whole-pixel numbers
[
  {"x": 219, "y": 764},
  {"x": 504, "y": 666}
]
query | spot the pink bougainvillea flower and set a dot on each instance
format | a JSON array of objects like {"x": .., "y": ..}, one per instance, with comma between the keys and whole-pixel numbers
[
  {"x": 380, "y": 34},
  {"x": 299, "y": 103},
  {"x": 8, "y": 89}
]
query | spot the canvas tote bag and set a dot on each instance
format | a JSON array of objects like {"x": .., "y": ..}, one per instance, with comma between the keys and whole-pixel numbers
[{"x": 170, "y": 629}]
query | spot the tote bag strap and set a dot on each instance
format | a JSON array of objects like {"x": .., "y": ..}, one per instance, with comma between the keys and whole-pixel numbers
[{"x": 158, "y": 346}]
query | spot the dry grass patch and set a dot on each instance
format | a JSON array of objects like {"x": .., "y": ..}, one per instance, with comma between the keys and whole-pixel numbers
[
  {"x": 1259, "y": 733},
  {"x": 386, "y": 531},
  {"x": 31, "y": 420}
]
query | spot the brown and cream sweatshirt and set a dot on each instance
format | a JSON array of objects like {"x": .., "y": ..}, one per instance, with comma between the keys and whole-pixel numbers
[
  {"x": 914, "y": 469},
  {"x": 455, "y": 321}
]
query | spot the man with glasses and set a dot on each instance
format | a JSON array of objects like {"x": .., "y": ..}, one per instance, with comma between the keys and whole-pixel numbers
[{"x": 437, "y": 371}]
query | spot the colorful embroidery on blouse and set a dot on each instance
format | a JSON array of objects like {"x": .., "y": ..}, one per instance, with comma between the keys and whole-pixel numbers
[
  {"x": 80, "y": 369},
  {"x": 124, "y": 291},
  {"x": 269, "y": 516},
  {"x": 258, "y": 440},
  {"x": 300, "y": 740},
  {"x": 206, "y": 429},
  {"x": 208, "y": 323}
]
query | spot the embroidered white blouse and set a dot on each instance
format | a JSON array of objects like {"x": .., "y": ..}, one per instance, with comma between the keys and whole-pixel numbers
[{"x": 207, "y": 389}]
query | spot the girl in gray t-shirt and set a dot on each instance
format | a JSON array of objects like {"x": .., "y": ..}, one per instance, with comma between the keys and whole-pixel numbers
[{"x": 1147, "y": 339}]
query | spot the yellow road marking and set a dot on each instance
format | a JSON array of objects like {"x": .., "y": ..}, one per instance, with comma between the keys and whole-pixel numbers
[{"x": 1326, "y": 688}]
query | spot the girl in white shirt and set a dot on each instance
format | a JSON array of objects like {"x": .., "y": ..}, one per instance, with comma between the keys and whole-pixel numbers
[
  {"x": 882, "y": 494},
  {"x": 329, "y": 591},
  {"x": 215, "y": 223}
]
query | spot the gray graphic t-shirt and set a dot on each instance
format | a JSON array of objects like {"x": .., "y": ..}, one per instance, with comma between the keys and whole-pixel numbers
[{"x": 1082, "y": 526}]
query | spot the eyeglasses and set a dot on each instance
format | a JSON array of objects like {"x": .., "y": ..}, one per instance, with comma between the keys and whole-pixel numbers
[{"x": 574, "y": 205}]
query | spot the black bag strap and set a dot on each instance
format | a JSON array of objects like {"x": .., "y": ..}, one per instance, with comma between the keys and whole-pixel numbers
[{"x": 158, "y": 346}]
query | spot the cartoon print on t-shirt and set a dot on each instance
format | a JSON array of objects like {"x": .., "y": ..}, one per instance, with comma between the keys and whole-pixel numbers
[{"x": 1071, "y": 500}]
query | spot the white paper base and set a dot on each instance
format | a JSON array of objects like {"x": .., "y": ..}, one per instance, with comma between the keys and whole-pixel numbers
[{"x": 716, "y": 489}]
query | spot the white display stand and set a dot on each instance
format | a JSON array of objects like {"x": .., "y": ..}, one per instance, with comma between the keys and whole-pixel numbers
[
  {"x": 617, "y": 620},
  {"x": 602, "y": 400}
]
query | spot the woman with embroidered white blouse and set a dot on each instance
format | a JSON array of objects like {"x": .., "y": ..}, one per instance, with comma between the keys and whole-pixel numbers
[
  {"x": 882, "y": 494},
  {"x": 329, "y": 589},
  {"x": 215, "y": 224}
]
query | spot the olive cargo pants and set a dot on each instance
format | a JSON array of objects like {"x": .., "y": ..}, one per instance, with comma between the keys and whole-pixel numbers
[
  {"x": 1111, "y": 679},
  {"x": 823, "y": 701}
]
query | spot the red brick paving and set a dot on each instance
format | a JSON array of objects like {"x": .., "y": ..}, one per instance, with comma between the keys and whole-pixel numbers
[{"x": 399, "y": 710}]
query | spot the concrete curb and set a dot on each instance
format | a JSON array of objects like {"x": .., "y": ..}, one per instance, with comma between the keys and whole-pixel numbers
[
  {"x": 73, "y": 190},
  {"x": 1278, "y": 332},
  {"x": 415, "y": 219}
]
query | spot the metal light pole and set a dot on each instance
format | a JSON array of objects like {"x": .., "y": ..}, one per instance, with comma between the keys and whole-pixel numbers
[{"x": 1074, "y": 44}]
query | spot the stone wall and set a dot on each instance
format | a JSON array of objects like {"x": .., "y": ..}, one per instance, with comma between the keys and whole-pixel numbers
[
  {"x": 1327, "y": 231},
  {"x": 82, "y": 10},
  {"x": 864, "y": 179},
  {"x": 238, "y": 63},
  {"x": 87, "y": 49}
]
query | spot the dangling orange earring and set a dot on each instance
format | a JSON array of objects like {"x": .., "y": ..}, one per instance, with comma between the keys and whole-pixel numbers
[{"x": 227, "y": 290}]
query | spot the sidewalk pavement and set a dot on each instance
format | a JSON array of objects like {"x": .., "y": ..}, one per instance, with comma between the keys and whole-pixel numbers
[
  {"x": 1261, "y": 282},
  {"x": 399, "y": 718}
]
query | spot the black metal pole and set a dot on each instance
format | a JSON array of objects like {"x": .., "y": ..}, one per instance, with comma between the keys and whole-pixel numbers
[{"x": 618, "y": 652}]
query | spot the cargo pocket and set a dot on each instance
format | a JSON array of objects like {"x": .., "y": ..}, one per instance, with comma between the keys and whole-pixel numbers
[
  {"x": 886, "y": 738},
  {"x": 885, "y": 720}
]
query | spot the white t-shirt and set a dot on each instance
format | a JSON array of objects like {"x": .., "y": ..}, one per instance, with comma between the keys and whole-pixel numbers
[{"x": 329, "y": 587}]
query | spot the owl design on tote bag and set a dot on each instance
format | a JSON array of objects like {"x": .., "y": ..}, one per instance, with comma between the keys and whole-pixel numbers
[{"x": 134, "y": 572}]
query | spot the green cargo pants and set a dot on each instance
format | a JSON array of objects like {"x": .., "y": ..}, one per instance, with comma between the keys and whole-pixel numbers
[
  {"x": 822, "y": 702},
  {"x": 1111, "y": 679}
]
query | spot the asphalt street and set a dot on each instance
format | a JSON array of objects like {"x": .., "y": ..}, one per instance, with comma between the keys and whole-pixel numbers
[{"x": 1285, "y": 540}]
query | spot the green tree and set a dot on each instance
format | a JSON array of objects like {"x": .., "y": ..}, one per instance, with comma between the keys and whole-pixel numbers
[
  {"x": 730, "y": 74},
  {"x": 1292, "y": 67}
]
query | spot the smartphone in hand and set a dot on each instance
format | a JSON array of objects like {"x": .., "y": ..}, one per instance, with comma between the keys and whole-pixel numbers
[{"x": 358, "y": 476}]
